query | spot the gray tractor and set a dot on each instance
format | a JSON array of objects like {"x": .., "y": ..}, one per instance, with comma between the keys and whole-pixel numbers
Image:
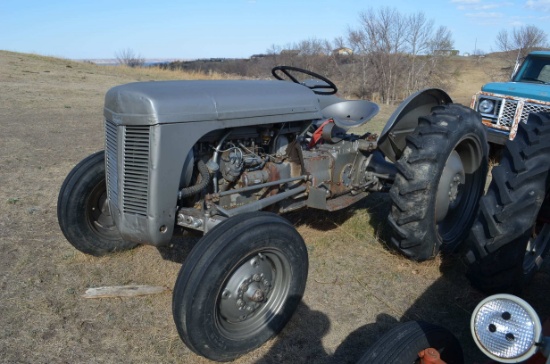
[{"x": 226, "y": 158}]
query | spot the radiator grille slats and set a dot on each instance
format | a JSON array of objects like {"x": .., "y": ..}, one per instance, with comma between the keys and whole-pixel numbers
[
  {"x": 134, "y": 174},
  {"x": 111, "y": 161},
  {"x": 136, "y": 169}
]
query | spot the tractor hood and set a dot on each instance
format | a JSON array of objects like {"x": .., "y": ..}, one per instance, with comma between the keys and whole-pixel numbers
[
  {"x": 163, "y": 102},
  {"x": 524, "y": 90}
]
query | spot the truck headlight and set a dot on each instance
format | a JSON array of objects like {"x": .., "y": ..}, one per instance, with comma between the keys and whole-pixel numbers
[
  {"x": 506, "y": 328},
  {"x": 486, "y": 106}
]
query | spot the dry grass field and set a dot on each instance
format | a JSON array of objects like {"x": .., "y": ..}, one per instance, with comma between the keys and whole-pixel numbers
[{"x": 51, "y": 118}]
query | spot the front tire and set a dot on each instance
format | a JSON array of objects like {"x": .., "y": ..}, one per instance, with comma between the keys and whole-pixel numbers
[
  {"x": 82, "y": 210},
  {"x": 440, "y": 179},
  {"x": 510, "y": 237},
  {"x": 403, "y": 343},
  {"x": 240, "y": 285}
]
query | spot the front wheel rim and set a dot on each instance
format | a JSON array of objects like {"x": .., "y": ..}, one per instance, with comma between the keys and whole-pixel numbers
[
  {"x": 98, "y": 214},
  {"x": 253, "y": 294}
]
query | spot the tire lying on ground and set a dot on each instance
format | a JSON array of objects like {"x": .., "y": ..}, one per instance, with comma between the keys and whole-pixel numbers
[
  {"x": 440, "y": 179},
  {"x": 403, "y": 343},
  {"x": 509, "y": 239},
  {"x": 83, "y": 213}
]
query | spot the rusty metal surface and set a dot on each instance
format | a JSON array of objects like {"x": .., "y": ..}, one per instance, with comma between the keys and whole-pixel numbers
[
  {"x": 430, "y": 356},
  {"x": 518, "y": 114}
]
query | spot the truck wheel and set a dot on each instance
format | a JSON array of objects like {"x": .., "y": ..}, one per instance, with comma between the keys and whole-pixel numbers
[
  {"x": 441, "y": 176},
  {"x": 508, "y": 242},
  {"x": 240, "y": 285},
  {"x": 403, "y": 343},
  {"x": 82, "y": 210}
]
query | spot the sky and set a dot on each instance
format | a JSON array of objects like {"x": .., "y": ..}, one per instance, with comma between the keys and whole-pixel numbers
[{"x": 185, "y": 29}]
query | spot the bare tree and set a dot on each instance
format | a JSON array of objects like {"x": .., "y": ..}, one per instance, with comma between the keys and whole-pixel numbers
[
  {"x": 520, "y": 41},
  {"x": 418, "y": 39},
  {"x": 397, "y": 53},
  {"x": 128, "y": 57},
  {"x": 381, "y": 43}
]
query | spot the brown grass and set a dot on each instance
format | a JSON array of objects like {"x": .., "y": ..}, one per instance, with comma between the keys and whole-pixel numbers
[{"x": 51, "y": 118}]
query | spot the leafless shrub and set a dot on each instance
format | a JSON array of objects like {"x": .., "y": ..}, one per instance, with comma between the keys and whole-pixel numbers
[{"x": 128, "y": 57}]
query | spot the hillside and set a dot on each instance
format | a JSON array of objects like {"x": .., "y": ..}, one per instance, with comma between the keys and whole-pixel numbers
[{"x": 51, "y": 117}]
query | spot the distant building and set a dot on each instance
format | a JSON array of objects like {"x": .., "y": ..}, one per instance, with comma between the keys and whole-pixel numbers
[
  {"x": 290, "y": 52},
  {"x": 446, "y": 52},
  {"x": 342, "y": 51}
]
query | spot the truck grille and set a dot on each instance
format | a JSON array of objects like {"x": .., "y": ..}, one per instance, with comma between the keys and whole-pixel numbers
[
  {"x": 530, "y": 107},
  {"x": 135, "y": 167},
  {"x": 509, "y": 109}
]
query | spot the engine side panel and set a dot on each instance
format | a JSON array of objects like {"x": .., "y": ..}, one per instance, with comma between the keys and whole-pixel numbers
[{"x": 160, "y": 176}]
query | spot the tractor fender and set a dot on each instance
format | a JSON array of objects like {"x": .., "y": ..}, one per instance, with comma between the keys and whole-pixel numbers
[{"x": 405, "y": 119}]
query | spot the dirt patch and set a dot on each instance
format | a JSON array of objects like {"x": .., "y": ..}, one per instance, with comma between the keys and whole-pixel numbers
[{"x": 50, "y": 119}]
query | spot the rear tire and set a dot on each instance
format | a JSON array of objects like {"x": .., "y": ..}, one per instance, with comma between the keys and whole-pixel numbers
[
  {"x": 83, "y": 213},
  {"x": 440, "y": 179},
  {"x": 507, "y": 243},
  {"x": 403, "y": 343}
]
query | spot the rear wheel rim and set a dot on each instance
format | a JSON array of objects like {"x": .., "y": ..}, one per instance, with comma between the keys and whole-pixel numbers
[{"x": 459, "y": 189}]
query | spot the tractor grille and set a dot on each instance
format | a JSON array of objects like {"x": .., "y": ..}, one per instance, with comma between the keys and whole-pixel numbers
[{"x": 135, "y": 167}]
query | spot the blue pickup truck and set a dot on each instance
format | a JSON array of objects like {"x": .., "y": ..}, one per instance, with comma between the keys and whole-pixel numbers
[{"x": 503, "y": 105}]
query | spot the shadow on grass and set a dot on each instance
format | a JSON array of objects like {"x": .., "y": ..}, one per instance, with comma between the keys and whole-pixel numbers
[
  {"x": 301, "y": 340},
  {"x": 377, "y": 204},
  {"x": 448, "y": 302},
  {"x": 180, "y": 246}
]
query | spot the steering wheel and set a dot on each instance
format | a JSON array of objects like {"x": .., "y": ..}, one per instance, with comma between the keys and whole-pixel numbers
[{"x": 330, "y": 87}]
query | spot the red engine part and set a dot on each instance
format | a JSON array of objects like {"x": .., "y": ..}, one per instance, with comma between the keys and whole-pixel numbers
[{"x": 430, "y": 356}]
